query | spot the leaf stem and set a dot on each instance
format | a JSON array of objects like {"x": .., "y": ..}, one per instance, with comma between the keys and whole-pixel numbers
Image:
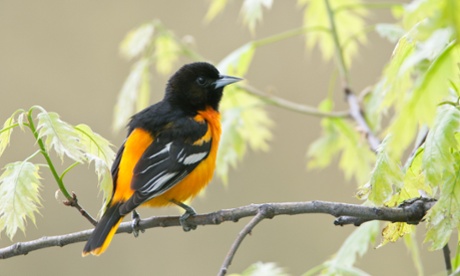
[
  {"x": 368, "y": 5},
  {"x": 46, "y": 155},
  {"x": 68, "y": 169},
  {"x": 338, "y": 48},
  {"x": 288, "y": 34}
]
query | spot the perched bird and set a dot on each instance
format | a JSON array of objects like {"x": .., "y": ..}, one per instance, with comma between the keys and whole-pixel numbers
[{"x": 170, "y": 151}]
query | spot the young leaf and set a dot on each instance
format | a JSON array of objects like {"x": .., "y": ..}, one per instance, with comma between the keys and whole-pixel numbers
[
  {"x": 444, "y": 216},
  {"x": 19, "y": 191},
  {"x": 238, "y": 61},
  {"x": 263, "y": 269},
  {"x": 392, "y": 32},
  {"x": 252, "y": 11},
  {"x": 244, "y": 123},
  {"x": 98, "y": 150},
  {"x": 348, "y": 24},
  {"x": 124, "y": 108},
  {"x": 440, "y": 145},
  {"x": 393, "y": 231},
  {"x": 422, "y": 102},
  {"x": 216, "y": 7},
  {"x": 385, "y": 175},
  {"x": 340, "y": 136},
  {"x": 166, "y": 53},
  {"x": 137, "y": 40},
  {"x": 412, "y": 244},
  {"x": 58, "y": 135},
  {"x": 5, "y": 133},
  {"x": 356, "y": 245}
]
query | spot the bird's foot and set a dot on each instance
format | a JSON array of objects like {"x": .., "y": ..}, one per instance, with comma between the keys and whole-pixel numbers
[
  {"x": 189, "y": 212},
  {"x": 135, "y": 224}
]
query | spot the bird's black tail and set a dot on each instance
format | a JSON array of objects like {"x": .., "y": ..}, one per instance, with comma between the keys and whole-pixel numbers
[{"x": 104, "y": 231}]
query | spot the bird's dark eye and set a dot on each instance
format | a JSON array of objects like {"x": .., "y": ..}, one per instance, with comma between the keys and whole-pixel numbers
[{"x": 201, "y": 81}]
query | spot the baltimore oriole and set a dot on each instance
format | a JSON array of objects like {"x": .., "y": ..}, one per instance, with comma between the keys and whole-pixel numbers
[{"x": 170, "y": 150}]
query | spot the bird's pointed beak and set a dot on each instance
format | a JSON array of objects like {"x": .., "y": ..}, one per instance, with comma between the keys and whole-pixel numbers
[{"x": 225, "y": 80}]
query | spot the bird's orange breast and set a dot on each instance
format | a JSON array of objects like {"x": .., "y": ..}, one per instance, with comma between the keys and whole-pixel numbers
[{"x": 196, "y": 180}]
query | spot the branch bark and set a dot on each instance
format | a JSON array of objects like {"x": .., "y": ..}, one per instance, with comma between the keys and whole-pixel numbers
[{"x": 410, "y": 213}]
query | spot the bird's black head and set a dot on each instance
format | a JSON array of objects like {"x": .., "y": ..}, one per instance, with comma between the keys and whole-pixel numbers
[{"x": 197, "y": 86}]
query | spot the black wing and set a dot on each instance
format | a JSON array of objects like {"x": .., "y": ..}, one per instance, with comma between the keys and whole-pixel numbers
[{"x": 165, "y": 163}]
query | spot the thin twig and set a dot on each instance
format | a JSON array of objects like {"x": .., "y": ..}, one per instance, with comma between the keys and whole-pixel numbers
[
  {"x": 74, "y": 203},
  {"x": 411, "y": 213},
  {"x": 299, "y": 108},
  {"x": 243, "y": 233},
  {"x": 358, "y": 116}
]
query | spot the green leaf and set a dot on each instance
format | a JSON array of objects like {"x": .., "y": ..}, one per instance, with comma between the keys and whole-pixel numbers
[
  {"x": 420, "y": 107},
  {"x": 252, "y": 11},
  {"x": 339, "y": 136},
  {"x": 263, "y": 269},
  {"x": 166, "y": 53},
  {"x": 356, "y": 245},
  {"x": 412, "y": 244},
  {"x": 58, "y": 135},
  {"x": 216, "y": 7},
  {"x": 428, "y": 49},
  {"x": 238, "y": 62},
  {"x": 456, "y": 259},
  {"x": 438, "y": 156},
  {"x": 5, "y": 132},
  {"x": 348, "y": 23},
  {"x": 19, "y": 191},
  {"x": 124, "y": 108},
  {"x": 385, "y": 175},
  {"x": 98, "y": 150},
  {"x": 392, "y": 32},
  {"x": 244, "y": 123},
  {"x": 444, "y": 216},
  {"x": 137, "y": 40}
]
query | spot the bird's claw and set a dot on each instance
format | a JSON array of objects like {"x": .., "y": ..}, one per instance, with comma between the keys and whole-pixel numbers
[
  {"x": 135, "y": 224},
  {"x": 187, "y": 226}
]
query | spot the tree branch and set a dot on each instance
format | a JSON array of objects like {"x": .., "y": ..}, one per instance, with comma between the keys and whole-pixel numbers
[
  {"x": 358, "y": 116},
  {"x": 263, "y": 213},
  {"x": 292, "y": 106},
  {"x": 410, "y": 213}
]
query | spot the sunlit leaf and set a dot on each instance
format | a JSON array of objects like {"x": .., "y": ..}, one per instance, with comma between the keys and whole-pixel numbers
[
  {"x": 137, "y": 40},
  {"x": 321, "y": 152},
  {"x": 339, "y": 136},
  {"x": 216, "y": 7},
  {"x": 58, "y": 135},
  {"x": 98, "y": 150},
  {"x": 5, "y": 133},
  {"x": 421, "y": 105},
  {"x": 385, "y": 175},
  {"x": 237, "y": 62},
  {"x": 348, "y": 23},
  {"x": 263, "y": 269},
  {"x": 393, "y": 231},
  {"x": 440, "y": 144},
  {"x": 392, "y": 32},
  {"x": 412, "y": 244},
  {"x": 356, "y": 245},
  {"x": 444, "y": 216},
  {"x": 428, "y": 49},
  {"x": 252, "y": 11},
  {"x": 19, "y": 191},
  {"x": 244, "y": 123},
  {"x": 124, "y": 108},
  {"x": 166, "y": 53}
]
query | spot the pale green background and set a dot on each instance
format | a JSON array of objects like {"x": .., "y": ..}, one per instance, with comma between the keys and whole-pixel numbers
[{"x": 63, "y": 55}]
